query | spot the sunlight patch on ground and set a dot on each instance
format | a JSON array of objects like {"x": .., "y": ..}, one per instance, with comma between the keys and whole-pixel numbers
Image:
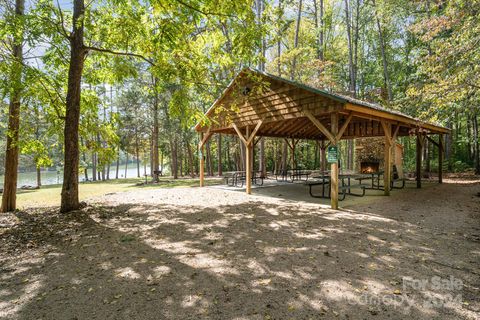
[
  {"x": 31, "y": 289},
  {"x": 127, "y": 273}
]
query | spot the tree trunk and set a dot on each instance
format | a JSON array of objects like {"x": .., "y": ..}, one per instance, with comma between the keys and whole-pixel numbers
[
  {"x": 227, "y": 156},
  {"x": 9, "y": 197},
  {"x": 126, "y": 164},
  {"x": 427, "y": 156},
  {"x": 476, "y": 142},
  {"x": 209, "y": 159},
  {"x": 144, "y": 163},
  {"x": 117, "y": 169},
  {"x": 323, "y": 156},
  {"x": 295, "y": 43},
  {"x": 470, "y": 145},
  {"x": 261, "y": 158},
  {"x": 155, "y": 133},
  {"x": 84, "y": 157},
  {"x": 386, "y": 78},
  {"x": 161, "y": 162},
  {"x": 137, "y": 153},
  {"x": 448, "y": 147},
  {"x": 242, "y": 155},
  {"x": 94, "y": 166},
  {"x": 284, "y": 156},
  {"x": 70, "y": 200},
  {"x": 39, "y": 177},
  {"x": 174, "y": 158},
  {"x": 179, "y": 158},
  {"x": 190, "y": 158},
  {"x": 351, "y": 87},
  {"x": 219, "y": 154},
  {"x": 279, "y": 41}
]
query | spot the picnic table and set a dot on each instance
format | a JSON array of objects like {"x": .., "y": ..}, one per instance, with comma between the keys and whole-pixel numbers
[
  {"x": 291, "y": 175},
  {"x": 344, "y": 188},
  {"x": 237, "y": 178},
  {"x": 374, "y": 177}
]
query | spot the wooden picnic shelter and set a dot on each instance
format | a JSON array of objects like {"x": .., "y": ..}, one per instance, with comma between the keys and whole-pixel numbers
[{"x": 257, "y": 104}]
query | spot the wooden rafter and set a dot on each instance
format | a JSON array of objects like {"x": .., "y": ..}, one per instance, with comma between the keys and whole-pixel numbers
[
  {"x": 248, "y": 138},
  {"x": 320, "y": 126},
  {"x": 433, "y": 141},
  {"x": 345, "y": 125},
  {"x": 240, "y": 134},
  {"x": 205, "y": 138}
]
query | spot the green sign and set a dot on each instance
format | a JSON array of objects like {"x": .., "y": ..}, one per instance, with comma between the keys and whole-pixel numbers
[{"x": 332, "y": 154}]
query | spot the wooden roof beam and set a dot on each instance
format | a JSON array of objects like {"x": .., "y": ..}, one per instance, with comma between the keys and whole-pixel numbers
[{"x": 320, "y": 127}]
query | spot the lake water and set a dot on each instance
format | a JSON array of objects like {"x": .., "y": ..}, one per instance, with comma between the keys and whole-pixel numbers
[{"x": 52, "y": 177}]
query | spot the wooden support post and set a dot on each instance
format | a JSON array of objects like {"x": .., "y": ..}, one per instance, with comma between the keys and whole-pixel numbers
[
  {"x": 334, "y": 167},
  {"x": 387, "y": 154},
  {"x": 440, "y": 158},
  {"x": 248, "y": 140},
  {"x": 293, "y": 153},
  {"x": 202, "y": 161},
  {"x": 203, "y": 140},
  {"x": 387, "y": 175},
  {"x": 419, "y": 161},
  {"x": 248, "y": 169}
]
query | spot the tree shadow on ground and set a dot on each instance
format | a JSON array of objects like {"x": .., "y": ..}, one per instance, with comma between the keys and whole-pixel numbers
[{"x": 254, "y": 260}]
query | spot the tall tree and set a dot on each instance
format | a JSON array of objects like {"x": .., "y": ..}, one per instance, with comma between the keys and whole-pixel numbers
[
  {"x": 72, "y": 115},
  {"x": 9, "y": 198}
]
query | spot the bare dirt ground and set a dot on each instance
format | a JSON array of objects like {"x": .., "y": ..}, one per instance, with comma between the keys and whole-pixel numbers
[{"x": 192, "y": 253}]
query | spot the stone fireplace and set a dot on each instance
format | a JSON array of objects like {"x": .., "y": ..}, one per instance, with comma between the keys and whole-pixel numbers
[{"x": 369, "y": 155}]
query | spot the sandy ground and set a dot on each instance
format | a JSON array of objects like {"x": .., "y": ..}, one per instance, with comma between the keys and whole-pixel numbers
[{"x": 210, "y": 253}]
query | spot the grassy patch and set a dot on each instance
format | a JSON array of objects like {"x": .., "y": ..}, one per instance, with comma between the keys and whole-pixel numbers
[{"x": 50, "y": 195}]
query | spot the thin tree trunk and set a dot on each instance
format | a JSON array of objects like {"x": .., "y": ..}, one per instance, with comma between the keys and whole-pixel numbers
[
  {"x": 117, "y": 169},
  {"x": 427, "y": 156},
  {"x": 227, "y": 156},
  {"x": 470, "y": 145},
  {"x": 319, "y": 29},
  {"x": 219, "y": 154},
  {"x": 295, "y": 44},
  {"x": 179, "y": 158},
  {"x": 84, "y": 157},
  {"x": 284, "y": 155},
  {"x": 70, "y": 200},
  {"x": 242, "y": 155},
  {"x": 155, "y": 134},
  {"x": 351, "y": 87},
  {"x": 161, "y": 162},
  {"x": 323, "y": 156},
  {"x": 476, "y": 142},
  {"x": 386, "y": 78},
  {"x": 126, "y": 164},
  {"x": 137, "y": 153},
  {"x": 94, "y": 166},
  {"x": 9, "y": 197},
  {"x": 174, "y": 158},
  {"x": 261, "y": 158},
  {"x": 448, "y": 147},
  {"x": 209, "y": 159},
  {"x": 190, "y": 158},
  {"x": 279, "y": 41},
  {"x": 144, "y": 163},
  {"x": 39, "y": 177}
]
